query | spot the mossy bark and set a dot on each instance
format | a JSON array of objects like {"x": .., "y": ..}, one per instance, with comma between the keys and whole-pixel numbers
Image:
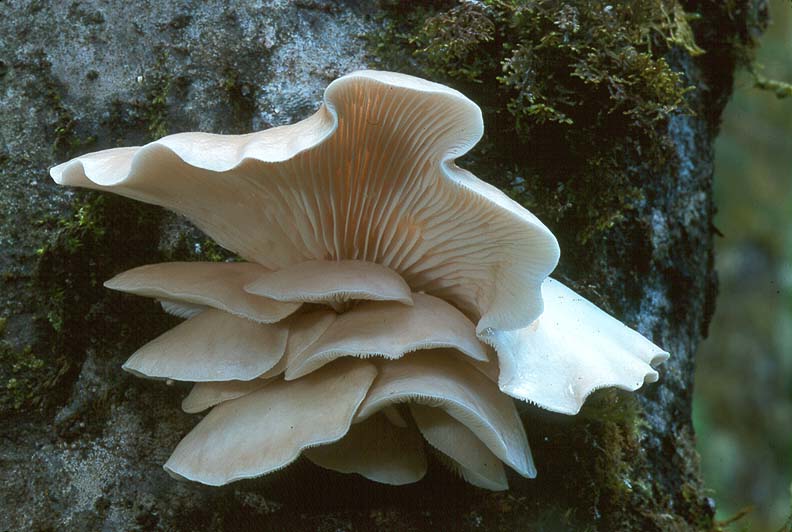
[{"x": 612, "y": 149}]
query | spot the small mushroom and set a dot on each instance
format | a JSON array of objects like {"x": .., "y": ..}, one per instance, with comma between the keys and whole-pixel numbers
[
  {"x": 434, "y": 378},
  {"x": 332, "y": 282},
  {"x": 212, "y": 346},
  {"x": 197, "y": 285},
  {"x": 267, "y": 429},
  {"x": 464, "y": 451},
  {"x": 389, "y": 330},
  {"x": 377, "y": 450},
  {"x": 208, "y": 394}
]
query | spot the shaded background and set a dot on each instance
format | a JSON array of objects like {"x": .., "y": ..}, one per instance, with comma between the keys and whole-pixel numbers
[{"x": 743, "y": 395}]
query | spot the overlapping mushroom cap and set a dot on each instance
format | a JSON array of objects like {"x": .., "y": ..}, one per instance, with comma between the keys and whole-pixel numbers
[{"x": 362, "y": 239}]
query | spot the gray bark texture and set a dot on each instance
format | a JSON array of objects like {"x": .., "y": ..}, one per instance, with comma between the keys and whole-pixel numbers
[{"x": 83, "y": 442}]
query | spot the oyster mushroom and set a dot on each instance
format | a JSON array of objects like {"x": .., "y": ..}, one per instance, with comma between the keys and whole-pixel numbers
[
  {"x": 377, "y": 450},
  {"x": 369, "y": 177},
  {"x": 332, "y": 282},
  {"x": 390, "y": 330},
  {"x": 212, "y": 346},
  {"x": 576, "y": 348},
  {"x": 438, "y": 380},
  {"x": 453, "y": 406},
  {"x": 362, "y": 238},
  {"x": 266, "y": 430},
  {"x": 198, "y": 285}
]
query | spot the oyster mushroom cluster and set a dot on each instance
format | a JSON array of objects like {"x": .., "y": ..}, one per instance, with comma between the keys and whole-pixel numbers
[{"x": 391, "y": 303}]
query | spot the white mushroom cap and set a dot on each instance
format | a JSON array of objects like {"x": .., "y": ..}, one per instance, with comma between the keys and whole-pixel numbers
[
  {"x": 389, "y": 329},
  {"x": 320, "y": 281},
  {"x": 266, "y": 430},
  {"x": 436, "y": 379},
  {"x": 304, "y": 329},
  {"x": 212, "y": 346},
  {"x": 572, "y": 349},
  {"x": 369, "y": 177},
  {"x": 376, "y": 450},
  {"x": 184, "y": 285},
  {"x": 208, "y": 394},
  {"x": 471, "y": 458}
]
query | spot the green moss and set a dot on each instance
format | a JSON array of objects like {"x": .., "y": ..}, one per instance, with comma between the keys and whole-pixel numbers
[
  {"x": 241, "y": 100},
  {"x": 145, "y": 117},
  {"x": 451, "y": 42},
  {"x": 214, "y": 252},
  {"x": 66, "y": 141},
  {"x": 106, "y": 235},
  {"x": 25, "y": 379},
  {"x": 159, "y": 83},
  {"x": 74, "y": 264},
  {"x": 781, "y": 89},
  {"x": 553, "y": 75},
  {"x": 194, "y": 246},
  {"x": 609, "y": 425}
]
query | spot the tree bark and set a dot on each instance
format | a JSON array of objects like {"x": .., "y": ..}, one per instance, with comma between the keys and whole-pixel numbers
[{"x": 83, "y": 442}]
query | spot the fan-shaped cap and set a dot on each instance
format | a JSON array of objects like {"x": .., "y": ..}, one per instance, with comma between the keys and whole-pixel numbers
[
  {"x": 436, "y": 379},
  {"x": 472, "y": 459},
  {"x": 390, "y": 329},
  {"x": 267, "y": 429},
  {"x": 376, "y": 450},
  {"x": 573, "y": 349},
  {"x": 304, "y": 329},
  {"x": 210, "y": 284},
  {"x": 369, "y": 177},
  {"x": 208, "y": 394},
  {"x": 212, "y": 346},
  {"x": 321, "y": 281}
]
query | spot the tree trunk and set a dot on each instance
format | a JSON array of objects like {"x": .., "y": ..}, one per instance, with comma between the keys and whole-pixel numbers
[{"x": 626, "y": 188}]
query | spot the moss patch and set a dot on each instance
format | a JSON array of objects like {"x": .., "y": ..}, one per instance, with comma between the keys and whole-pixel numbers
[
  {"x": 155, "y": 110},
  {"x": 148, "y": 116},
  {"x": 550, "y": 76},
  {"x": 24, "y": 379},
  {"x": 241, "y": 101},
  {"x": 77, "y": 312}
]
